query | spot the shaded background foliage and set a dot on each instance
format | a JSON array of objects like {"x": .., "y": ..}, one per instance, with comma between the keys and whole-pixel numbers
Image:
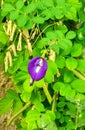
[{"x": 52, "y": 29}]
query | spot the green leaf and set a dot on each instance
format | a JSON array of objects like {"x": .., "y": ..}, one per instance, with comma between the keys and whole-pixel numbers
[
  {"x": 62, "y": 28},
  {"x": 51, "y": 125},
  {"x": 80, "y": 36},
  {"x": 68, "y": 76},
  {"x": 70, "y": 12},
  {"x": 80, "y": 96},
  {"x": 27, "y": 90},
  {"x": 11, "y": 1},
  {"x": 57, "y": 86},
  {"x": 3, "y": 37},
  {"x": 49, "y": 76},
  {"x": 24, "y": 65},
  {"x": 17, "y": 105},
  {"x": 70, "y": 95},
  {"x": 63, "y": 89},
  {"x": 61, "y": 104},
  {"x": 70, "y": 124},
  {"x": 30, "y": 8},
  {"x": 11, "y": 94},
  {"x": 36, "y": 101},
  {"x": 58, "y": 115},
  {"x": 46, "y": 118},
  {"x": 81, "y": 65},
  {"x": 19, "y": 4},
  {"x": 40, "y": 6},
  {"x": 1, "y": 18},
  {"x": 60, "y": 2},
  {"x": 50, "y": 115},
  {"x": 60, "y": 61},
  {"x": 62, "y": 128},
  {"x": 81, "y": 119},
  {"x": 8, "y": 7},
  {"x": 32, "y": 115},
  {"x": 5, "y": 105},
  {"x": 52, "y": 70},
  {"x": 71, "y": 35},
  {"x": 81, "y": 15},
  {"x": 25, "y": 96},
  {"x": 26, "y": 86},
  {"x": 42, "y": 43},
  {"x": 58, "y": 12},
  {"x": 39, "y": 83},
  {"x": 78, "y": 85},
  {"x": 67, "y": 91},
  {"x": 65, "y": 44},
  {"x": 71, "y": 63},
  {"x": 22, "y": 20},
  {"x": 36, "y": 51},
  {"x": 14, "y": 15},
  {"x": 59, "y": 34},
  {"x": 51, "y": 35},
  {"x": 38, "y": 20},
  {"x": 29, "y": 23},
  {"x": 7, "y": 102},
  {"x": 52, "y": 66},
  {"x": 76, "y": 50},
  {"x": 20, "y": 76},
  {"x": 55, "y": 48},
  {"x": 47, "y": 3},
  {"x": 47, "y": 13},
  {"x": 16, "y": 64},
  {"x": 72, "y": 108}
]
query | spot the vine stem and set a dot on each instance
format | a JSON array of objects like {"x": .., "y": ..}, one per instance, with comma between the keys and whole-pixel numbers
[
  {"x": 17, "y": 113},
  {"x": 54, "y": 101},
  {"x": 43, "y": 31},
  {"x": 78, "y": 74},
  {"x": 45, "y": 89}
]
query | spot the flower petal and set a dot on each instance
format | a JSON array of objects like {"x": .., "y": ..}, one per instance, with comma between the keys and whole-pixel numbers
[{"x": 37, "y": 68}]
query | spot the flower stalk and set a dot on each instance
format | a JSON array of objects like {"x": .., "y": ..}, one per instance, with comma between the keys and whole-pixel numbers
[
  {"x": 48, "y": 96},
  {"x": 54, "y": 101},
  {"x": 17, "y": 113},
  {"x": 78, "y": 74}
]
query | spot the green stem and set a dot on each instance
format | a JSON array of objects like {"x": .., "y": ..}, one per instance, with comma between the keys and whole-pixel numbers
[
  {"x": 45, "y": 88},
  {"x": 17, "y": 113},
  {"x": 78, "y": 74},
  {"x": 54, "y": 101},
  {"x": 44, "y": 31}
]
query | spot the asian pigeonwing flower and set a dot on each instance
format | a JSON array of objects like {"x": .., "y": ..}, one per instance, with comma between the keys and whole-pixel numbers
[{"x": 37, "y": 68}]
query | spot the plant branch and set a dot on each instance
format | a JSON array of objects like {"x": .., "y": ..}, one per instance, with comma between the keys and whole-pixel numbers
[
  {"x": 44, "y": 31},
  {"x": 54, "y": 101},
  {"x": 17, "y": 113},
  {"x": 45, "y": 88},
  {"x": 78, "y": 74}
]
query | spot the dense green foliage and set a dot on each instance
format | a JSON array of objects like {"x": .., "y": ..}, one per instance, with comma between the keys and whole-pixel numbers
[{"x": 55, "y": 30}]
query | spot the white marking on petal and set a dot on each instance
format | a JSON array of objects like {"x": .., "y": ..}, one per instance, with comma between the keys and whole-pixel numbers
[
  {"x": 38, "y": 69},
  {"x": 41, "y": 62}
]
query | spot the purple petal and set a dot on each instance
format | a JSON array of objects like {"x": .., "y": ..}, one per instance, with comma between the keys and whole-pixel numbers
[{"x": 37, "y": 68}]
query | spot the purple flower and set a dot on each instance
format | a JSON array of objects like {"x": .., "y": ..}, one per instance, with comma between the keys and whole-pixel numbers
[{"x": 37, "y": 68}]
